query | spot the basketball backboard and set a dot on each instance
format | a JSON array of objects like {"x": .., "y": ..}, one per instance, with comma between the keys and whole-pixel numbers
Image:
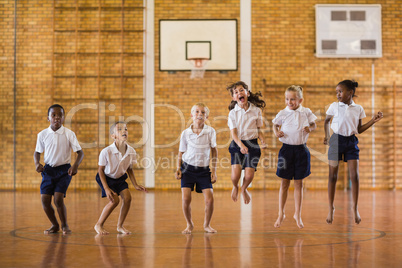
[
  {"x": 348, "y": 31},
  {"x": 183, "y": 40}
]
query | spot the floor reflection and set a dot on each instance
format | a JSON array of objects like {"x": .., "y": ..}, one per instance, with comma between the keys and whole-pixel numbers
[
  {"x": 246, "y": 226},
  {"x": 55, "y": 254},
  {"x": 351, "y": 258},
  {"x": 108, "y": 253},
  {"x": 295, "y": 255},
  {"x": 208, "y": 253},
  {"x": 354, "y": 250}
]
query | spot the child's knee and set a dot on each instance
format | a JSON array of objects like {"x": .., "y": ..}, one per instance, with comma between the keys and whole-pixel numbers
[
  {"x": 285, "y": 188},
  {"x": 249, "y": 177},
  {"x": 59, "y": 201},
  {"x": 235, "y": 177},
  {"x": 298, "y": 183},
  {"x": 126, "y": 198},
  {"x": 249, "y": 174},
  {"x": 333, "y": 176},
  {"x": 236, "y": 173},
  {"x": 186, "y": 199},
  {"x": 209, "y": 201},
  {"x": 115, "y": 203},
  {"x": 354, "y": 177},
  {"x": 46, "y": 200},
  {"x": 285, "y": 184}
]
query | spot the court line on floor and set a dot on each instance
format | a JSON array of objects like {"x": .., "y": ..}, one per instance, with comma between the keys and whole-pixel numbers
[{"x": 381, "y": 234}]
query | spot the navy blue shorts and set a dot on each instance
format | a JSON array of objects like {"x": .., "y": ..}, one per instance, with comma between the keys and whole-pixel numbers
[
  {"x": 245, "y": 160},
  {"x": 198, "y": 176},
  {"x": 343, "y": 147},
  {"x": 116, "y": 185},
  {"x": 293, "y": 162},
  {"x": 55, "y": 179}
]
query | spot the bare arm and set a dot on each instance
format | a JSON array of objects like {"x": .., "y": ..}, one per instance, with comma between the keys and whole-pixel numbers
[
  {"x": 179, "y": 162},
  {"x": 312, "y": 126},
  {"x": 326, "y": 128},
  {"x": 361, "y": 128},
  {"x": 214, "y": 161},
  {"x": 261, "y": 137},
  {"x": 38, "y": 165},
  {"x": 74, "y": 168},
  {"x": 134, "y": 181},
  {"x": 243, "y": 148},
  {"x": 277, "y": 131}
]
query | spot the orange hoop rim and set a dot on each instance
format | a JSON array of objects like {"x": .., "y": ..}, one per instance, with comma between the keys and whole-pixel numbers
[{"x": 198, "y": 62}]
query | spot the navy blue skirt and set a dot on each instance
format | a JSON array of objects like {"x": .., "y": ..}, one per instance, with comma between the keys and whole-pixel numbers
[
  {"x": 293, "y": 162},
  {"x": 343, "y": 148},
  {"x": 245, "y": 160}
]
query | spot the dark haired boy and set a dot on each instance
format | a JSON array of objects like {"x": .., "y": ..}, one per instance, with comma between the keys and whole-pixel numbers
[{"x": 56, "y": 142}]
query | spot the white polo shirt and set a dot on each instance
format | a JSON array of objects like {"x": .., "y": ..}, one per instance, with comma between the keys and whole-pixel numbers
[
  {"x": 197, "y": 148},
  {"x": 346, "y": 117},
  {"x": 292, "y": 123},
  {"x": 115, "y": 163},
  {"x": 57, "y": 145},
  {"x": 246, "y": 122}
]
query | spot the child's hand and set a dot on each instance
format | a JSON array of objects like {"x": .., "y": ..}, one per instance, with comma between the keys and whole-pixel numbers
[
  {"x": 326, "y": 142},
  {"x": 306, "y": 130},
  {"x": 110, "y": 194},
  {"x": 140, "y": 188},
  {"x": 39, "y": 168},
  {"x": 244, "y": 149},
  {"x": 72, "y": 170},
  {"x": 377, "y": 117},
  {"x": 178, "y": 174},
  {"x": 280, "y": 134},
  {"x": 213, "y": 177},
  {"x": 264, "y": 145}
]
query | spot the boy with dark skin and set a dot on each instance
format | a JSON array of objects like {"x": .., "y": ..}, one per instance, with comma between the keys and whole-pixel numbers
[{"x": 56, "y": 142}]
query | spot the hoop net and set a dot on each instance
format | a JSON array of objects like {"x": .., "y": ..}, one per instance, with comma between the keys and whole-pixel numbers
[{"x": 198, "y": 67}]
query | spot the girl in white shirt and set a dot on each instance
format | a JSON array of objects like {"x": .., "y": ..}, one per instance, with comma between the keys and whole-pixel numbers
[
  {"x": 346, "y": 119},
  {"x": 292, "y": 126},
  {"x": 245, "y": 122}
]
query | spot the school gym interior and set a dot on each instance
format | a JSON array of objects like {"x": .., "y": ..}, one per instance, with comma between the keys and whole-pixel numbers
[{"x": 110, "y": 60}]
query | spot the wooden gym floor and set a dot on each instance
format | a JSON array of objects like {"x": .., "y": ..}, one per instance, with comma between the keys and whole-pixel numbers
[{"x": 246, "y": 236}]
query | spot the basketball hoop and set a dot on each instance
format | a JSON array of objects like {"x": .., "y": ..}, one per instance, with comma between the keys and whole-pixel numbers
[{"x": 198, "y": 67}]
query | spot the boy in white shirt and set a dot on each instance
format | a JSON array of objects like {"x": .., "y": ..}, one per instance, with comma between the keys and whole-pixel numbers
[
  {"x": 115, "y": 161},
  {"x": 56, "y": 141},
  {"x": 196, "y": 144}
]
